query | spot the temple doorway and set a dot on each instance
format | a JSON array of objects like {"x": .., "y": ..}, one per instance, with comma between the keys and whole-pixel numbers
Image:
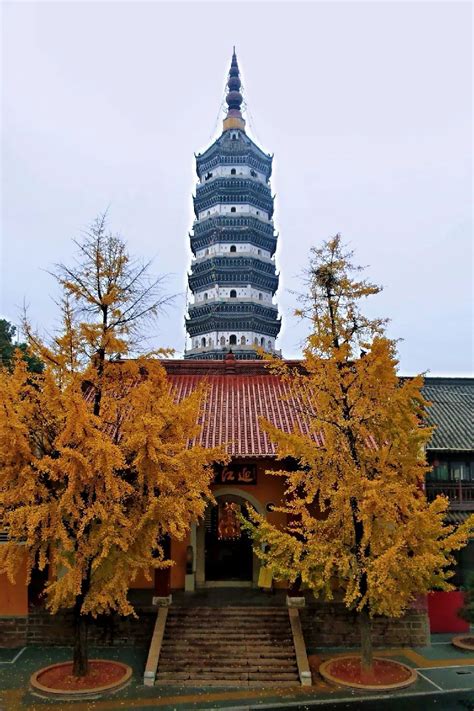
[
  {"x": 228, "y": 548},
  {"x": 224, "y": 554}
]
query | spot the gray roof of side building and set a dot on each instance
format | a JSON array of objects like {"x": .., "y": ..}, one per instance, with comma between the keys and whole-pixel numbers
[{"x": 452, "y": 412}]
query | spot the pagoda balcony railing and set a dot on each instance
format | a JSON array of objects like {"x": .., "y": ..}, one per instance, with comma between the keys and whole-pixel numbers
[
  {"x": 234, "y": 300},
  {"x": 256, "y": 201},
  {"x": 264, "y": 218},
  {"x": 215, "y": 157},
  {"x": 236, "y": 221},
  {"x": 459, "y": 493},
  {"x": 270, "y": 329},
  {"x": 228, "y": 262},
  {"x": 257, "y": 279},
  {"x": 234, "y": 183},
  {"x": 235, "y": 347},
  {"x": 233, "y": 255}
]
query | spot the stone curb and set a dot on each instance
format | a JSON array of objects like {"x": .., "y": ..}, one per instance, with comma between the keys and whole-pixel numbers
[
  {"x": 460, "y": 642},
  {"x": 65, "y": 694},
  {"x": 323, "y": 670}
]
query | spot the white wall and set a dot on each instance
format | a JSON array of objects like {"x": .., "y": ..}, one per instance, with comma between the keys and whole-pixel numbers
[
  {"x": 224, "y": 248},
  {"x": 225, "y": 171},
  {"x": 222, "y": 209},
  {"x": 243, "y": 292},
  {"x": 221, "y": 339}
]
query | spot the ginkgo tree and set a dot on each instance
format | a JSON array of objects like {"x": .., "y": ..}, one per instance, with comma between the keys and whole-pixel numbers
[
  {"x": 358, "y": 518},
  {"x": 95, "y": 463}
]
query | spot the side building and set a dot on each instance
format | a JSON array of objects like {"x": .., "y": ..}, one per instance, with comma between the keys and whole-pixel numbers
[{"x": 451, "y": 454}]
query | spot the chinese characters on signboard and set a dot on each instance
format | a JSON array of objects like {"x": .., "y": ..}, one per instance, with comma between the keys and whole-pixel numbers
[{"x": 236, "y": 473}]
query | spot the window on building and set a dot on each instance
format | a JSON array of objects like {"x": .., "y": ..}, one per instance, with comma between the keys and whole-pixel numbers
[
  {"x": 269, "y": 344},
  {"x": 222, "y": 340},
  {"x": 233, "y": 340},
  {"x": 233, "y": 171},
  {"x": 253, "y": 174},
  {"x": 233, "y": 294},
  {"x": 243, "y": 341},
  {"x": 234, "y": 137},
  {"x": 262, "y": 342},
  {"x": 454, "y": 471},
  {"x": 233, "y": 248},
  {"x": 260, "y": 297},
  {"x": 259, "y": 251},
  {"x": 459, "y": 471},
  {"x": 255, "y": 340},
  {"x": 233, "y": 209},
  {"x": 205, "y": 297},
  {"x": 203, "y": 342}
]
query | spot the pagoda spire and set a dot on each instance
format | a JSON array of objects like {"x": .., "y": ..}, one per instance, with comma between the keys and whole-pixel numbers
[{"x": 234, "y": 98}]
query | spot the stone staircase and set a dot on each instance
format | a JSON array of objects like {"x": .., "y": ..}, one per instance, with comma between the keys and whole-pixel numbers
[{"x": 227, "y": 647}]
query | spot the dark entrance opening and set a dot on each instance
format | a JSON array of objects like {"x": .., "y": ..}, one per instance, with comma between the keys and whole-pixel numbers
[{"x": 228, "y": 549}]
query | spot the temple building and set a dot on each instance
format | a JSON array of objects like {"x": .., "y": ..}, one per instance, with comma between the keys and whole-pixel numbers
[
  {"x": 233, "y": 316},
  {"x": 233, "y": 276}
]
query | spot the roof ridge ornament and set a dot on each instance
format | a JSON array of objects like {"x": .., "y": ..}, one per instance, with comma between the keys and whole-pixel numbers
[{"x": 234, "y": 98}]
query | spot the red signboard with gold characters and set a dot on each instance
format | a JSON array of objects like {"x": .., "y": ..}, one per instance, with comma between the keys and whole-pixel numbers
[{"x": 236, "y": 473}]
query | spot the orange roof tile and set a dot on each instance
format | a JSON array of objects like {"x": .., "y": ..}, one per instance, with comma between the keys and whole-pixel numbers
[{"x": 233, "y": 407}]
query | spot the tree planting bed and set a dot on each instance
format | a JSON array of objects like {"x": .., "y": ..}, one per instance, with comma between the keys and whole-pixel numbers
[
  {"x": 386, "y": 674},
  {"x": 464, "y": 642},
  {"x": 57, "y": 680}
]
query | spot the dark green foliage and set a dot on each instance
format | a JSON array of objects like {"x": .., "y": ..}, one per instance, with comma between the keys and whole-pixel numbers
[
  {"x": 467, "y": 611},
  {"x": 7, "y": 348}
]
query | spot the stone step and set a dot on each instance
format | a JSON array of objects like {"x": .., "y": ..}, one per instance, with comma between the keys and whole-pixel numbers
[
  {"x": 237, "y": 627},
  {"x": 228, "y": 684},
  {"x": 233, "y": 639},
  {"x": 214, "y": 614},
  {"x": 229, "y": 610},
  {"x": 180, "y": 676},
  {"x": 195, "y": 669},
  {"x": 229, "y": 624},
  {"x": 201, "y": 622},
  {"x": 234, "y": 676},
  {"x": 237, "y": 636},
  {"x": 229, "y": 652},
  {"x": 179, "y": 663},
  {"x": 231, "y": 661},
  {"x": 228, "y": 648}
]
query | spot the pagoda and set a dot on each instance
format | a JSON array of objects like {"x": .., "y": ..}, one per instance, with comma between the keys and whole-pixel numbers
[{"x": 233, "y": 276}]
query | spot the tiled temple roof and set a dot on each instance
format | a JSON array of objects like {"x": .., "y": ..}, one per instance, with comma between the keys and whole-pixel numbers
[
  {"x": 243, "y": 391},
  {"x": 238, "y": 396},
  {"x": 452, "y": 411}
]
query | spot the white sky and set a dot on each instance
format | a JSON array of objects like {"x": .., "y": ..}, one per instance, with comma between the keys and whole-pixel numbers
[{"x": 367, "y": 107}]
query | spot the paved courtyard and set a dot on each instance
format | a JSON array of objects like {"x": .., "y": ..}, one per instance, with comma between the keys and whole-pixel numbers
[{"x": 446, "y": 682}]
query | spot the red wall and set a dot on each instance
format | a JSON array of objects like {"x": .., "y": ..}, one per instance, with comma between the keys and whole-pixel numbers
[{"x": 442, "y": 610}]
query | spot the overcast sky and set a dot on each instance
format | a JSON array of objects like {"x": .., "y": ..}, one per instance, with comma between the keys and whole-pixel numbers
[{"x": 366, "y": 106}]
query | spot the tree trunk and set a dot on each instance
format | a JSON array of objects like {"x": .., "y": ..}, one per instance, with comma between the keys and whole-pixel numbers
[
  {"x": 80, "y": 656},
  {"x": 367, "y": 658}
]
